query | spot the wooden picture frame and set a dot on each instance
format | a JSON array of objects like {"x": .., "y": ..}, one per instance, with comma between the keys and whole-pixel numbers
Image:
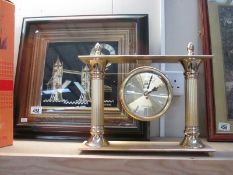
[
  {"x": 219, "y": 122},
  {"x": 48, "y": 43}
]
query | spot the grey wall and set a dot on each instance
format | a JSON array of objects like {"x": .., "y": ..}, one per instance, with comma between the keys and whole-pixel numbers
[{"x": 182, "y": 26}]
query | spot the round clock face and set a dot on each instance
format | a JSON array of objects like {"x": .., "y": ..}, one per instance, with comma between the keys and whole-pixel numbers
[{"x": 146, "y": 93}]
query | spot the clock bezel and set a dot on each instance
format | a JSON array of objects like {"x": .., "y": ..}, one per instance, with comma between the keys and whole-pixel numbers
[{"x": 144, "y": 69}]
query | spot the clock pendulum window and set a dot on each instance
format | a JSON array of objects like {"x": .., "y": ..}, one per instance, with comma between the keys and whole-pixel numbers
[{"x": 146, "y": 94}]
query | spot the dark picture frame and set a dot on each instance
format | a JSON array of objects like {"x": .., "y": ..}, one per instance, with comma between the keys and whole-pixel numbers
[
  {"x": 214, "y": 38},
  {"x": 48, "y": 43}
]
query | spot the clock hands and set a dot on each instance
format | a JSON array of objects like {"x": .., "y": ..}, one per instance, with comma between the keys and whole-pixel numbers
[
  {"x": 146, "y": 93},
  {"x": 149, "y": 81}
]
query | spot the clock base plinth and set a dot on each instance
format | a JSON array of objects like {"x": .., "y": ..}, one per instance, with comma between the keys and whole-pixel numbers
[{"x": 142, "y": 146}]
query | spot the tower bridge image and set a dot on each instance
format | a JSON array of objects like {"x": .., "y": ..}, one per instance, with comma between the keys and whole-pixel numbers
[{"x": 56, "y": 87}]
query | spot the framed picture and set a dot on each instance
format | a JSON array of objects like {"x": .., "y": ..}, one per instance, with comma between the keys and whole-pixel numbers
[
  {"x": 217, "y": 37},
  {"x": 52, "y": 87}
]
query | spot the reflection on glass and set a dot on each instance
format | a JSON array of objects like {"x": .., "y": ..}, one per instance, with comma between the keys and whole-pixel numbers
[{"x": 223, "y": 23}]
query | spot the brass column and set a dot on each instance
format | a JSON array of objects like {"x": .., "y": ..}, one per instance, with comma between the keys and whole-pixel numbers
[
  {"x": 191, "y": 132},
  {"x": 97, "y": 67}
]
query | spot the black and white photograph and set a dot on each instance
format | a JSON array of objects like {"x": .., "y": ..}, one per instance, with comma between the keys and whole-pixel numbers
[{"x": 66, "y": 79}]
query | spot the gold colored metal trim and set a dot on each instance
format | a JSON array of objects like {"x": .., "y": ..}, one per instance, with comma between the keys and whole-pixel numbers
[
  {"x": 145, "y": 146},
  {"x": 191, "y": 133},
  {"x": 190, "y": 63},
  {"x": 134, "y": 58},
  {"x": 97, "y": 67},
  {"x": 191, "y": 139}
]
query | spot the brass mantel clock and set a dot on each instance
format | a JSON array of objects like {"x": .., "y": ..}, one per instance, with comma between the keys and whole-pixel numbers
[{"x": 145, "y": 94}]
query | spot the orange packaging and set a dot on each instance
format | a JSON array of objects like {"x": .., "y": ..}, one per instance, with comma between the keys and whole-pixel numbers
[{"x": 6, "y": 72}]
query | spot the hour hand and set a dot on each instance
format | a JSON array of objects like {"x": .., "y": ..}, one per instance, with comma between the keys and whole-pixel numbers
[{"x": 152, "y": 90}]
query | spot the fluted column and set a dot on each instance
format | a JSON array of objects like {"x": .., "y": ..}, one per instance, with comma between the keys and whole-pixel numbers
[
  {"x": 191, "y": 132},
  {"x": 97, "y": 67}
]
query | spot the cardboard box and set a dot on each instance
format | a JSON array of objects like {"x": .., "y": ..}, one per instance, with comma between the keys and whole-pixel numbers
[{"x": 6, "y": 72}]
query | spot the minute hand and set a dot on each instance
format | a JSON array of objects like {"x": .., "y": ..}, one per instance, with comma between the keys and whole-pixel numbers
[{"x": 149, "y": 81}]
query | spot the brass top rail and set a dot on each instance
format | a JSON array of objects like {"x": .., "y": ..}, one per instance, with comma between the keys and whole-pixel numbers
[{"x": 134, "y": 58}]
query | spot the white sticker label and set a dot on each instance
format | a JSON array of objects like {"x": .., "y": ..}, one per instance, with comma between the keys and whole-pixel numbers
[
  {"x": 36, "y": 110},
  {"x": 24, "y": 120},
  {"x": 224, "y": 126}
]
